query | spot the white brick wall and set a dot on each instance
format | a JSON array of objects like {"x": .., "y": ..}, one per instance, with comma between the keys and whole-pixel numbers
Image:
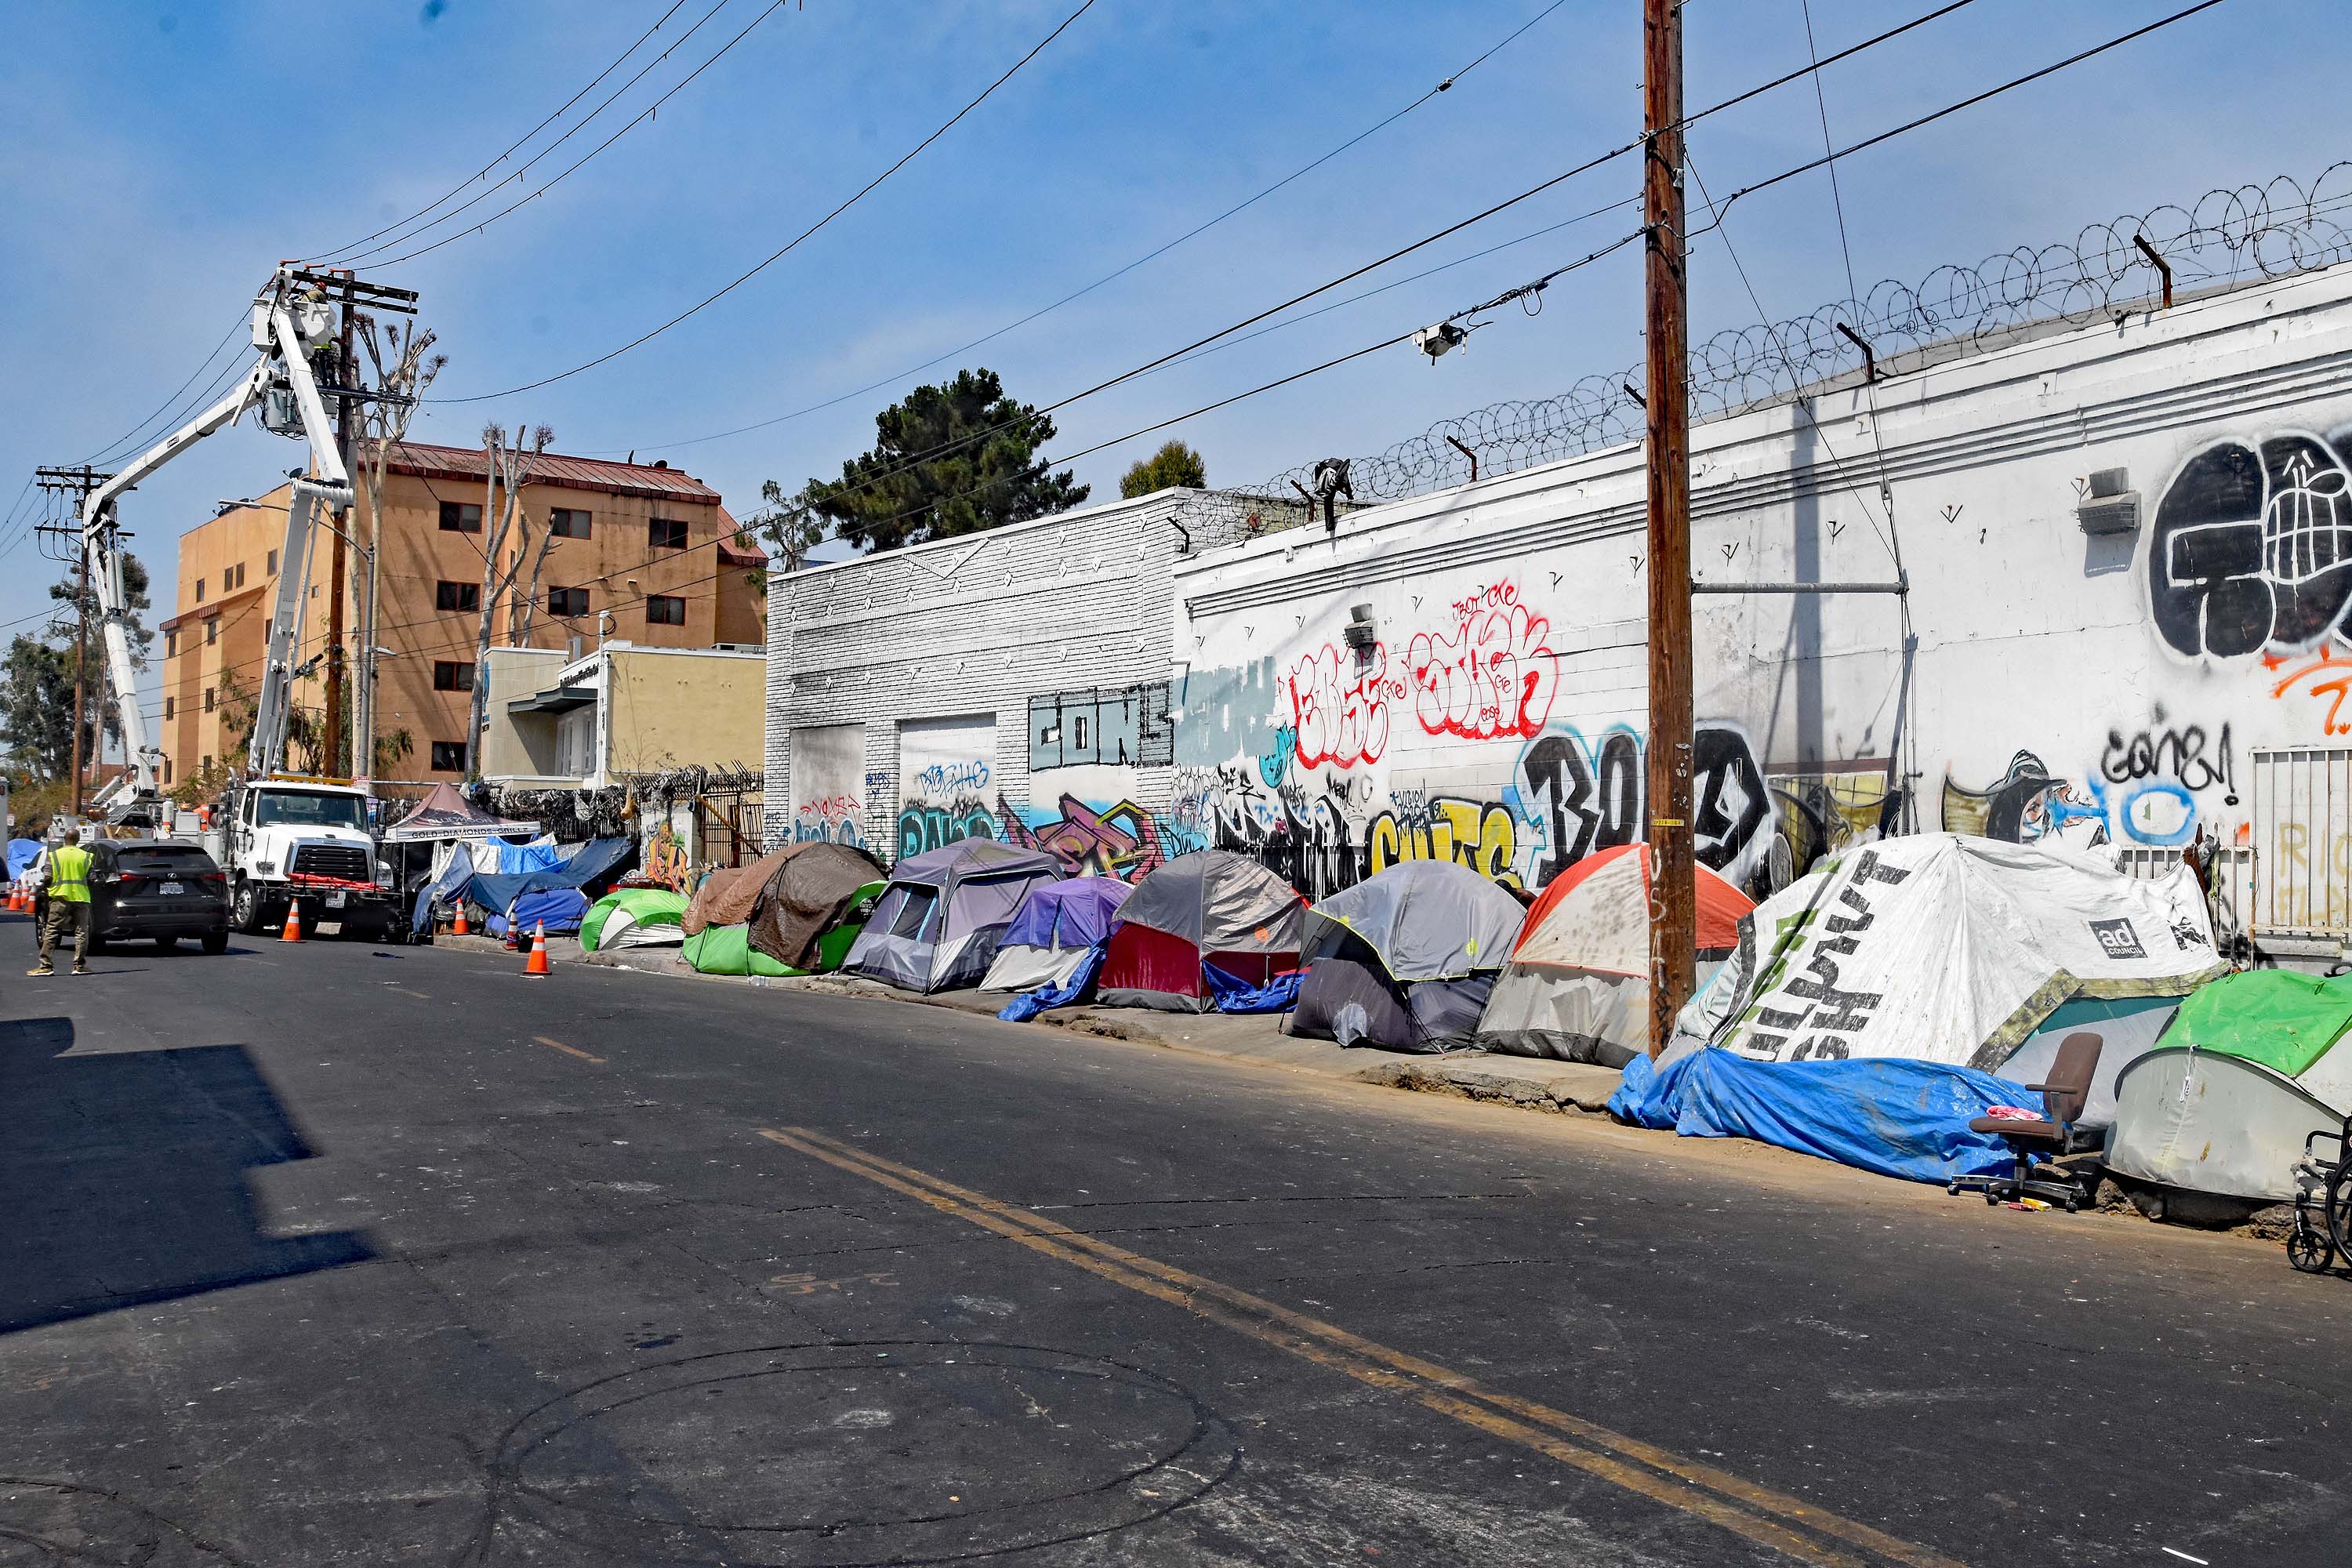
[{"x": 980, "y": 624}]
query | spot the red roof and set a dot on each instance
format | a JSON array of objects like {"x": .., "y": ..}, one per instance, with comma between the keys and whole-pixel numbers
[
  {"x": 656, "y": 480},
  {"x": 731, "y": 554}
]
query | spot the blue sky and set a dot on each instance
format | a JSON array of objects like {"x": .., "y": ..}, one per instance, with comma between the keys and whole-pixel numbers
[{"x": 162, "y": 157}]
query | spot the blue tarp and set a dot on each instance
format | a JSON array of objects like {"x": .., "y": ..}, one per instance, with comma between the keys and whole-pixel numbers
[
  {"x": 1067, "y": 914},
  {"x": 1027, "y": 1004},
  {"x": 1235, "y": 994},
  {"x": 1907, "y": 1119},
  {"x": 22, "y": 852},
  {"x": 591, "y": 860},
  {"x": 516, "y": 859},
  {"x": 561, "y": 908}
]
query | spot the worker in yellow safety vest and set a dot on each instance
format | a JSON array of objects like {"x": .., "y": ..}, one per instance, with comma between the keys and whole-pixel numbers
[{"x": 69, "y": 890}]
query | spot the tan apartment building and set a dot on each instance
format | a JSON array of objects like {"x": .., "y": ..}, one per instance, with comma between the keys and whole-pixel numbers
[{"x": 641, "y": 552}]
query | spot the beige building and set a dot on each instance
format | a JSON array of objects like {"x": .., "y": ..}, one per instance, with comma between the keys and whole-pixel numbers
[
  {"x": 642, "y": 552},
  {"x": 621, "y": 711}
]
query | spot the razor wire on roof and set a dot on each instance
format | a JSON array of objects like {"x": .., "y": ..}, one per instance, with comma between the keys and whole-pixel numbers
[{"x": 2227, "y": 236}]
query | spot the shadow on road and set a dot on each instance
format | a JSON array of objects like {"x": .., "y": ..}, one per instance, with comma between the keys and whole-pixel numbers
[{"x": 125, "y": 1176}]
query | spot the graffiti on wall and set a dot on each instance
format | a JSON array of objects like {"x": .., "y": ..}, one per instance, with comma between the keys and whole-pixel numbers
[
  {"x": 666, "y": 859},
  {"x": 1821, "y": 813},
  {"x": 1339, "y": 706},
  {"x": 2149, "y": 785},
  {"x": 1420, "y": 826},
  {"x": 1590, "y": 798},
  {"x": 831, "y": 819},
  {"x": 2324, "y": 676},
  {"x": 1120, "y": 726},
  {"x": 1492, "y": 675},
  {"x": 1120, "y": 840},
  {"x": 2251, "y": 548}
]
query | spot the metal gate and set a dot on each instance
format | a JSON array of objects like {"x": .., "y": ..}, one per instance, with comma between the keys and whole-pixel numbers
[{"x": 2301, "y": 833}]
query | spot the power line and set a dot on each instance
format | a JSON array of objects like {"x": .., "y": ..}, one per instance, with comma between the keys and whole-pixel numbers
[
  {"x": 777, "y": 254},
  {"x": 649, "y": 111},
  {"x": 1354, "y": 273},
  {"x": 1148, "y": 255},
  {"x": 511, "y": 147}
]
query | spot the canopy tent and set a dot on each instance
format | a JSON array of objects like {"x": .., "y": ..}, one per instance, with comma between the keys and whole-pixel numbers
[
  {"x": 1211, "y": 909},
  {"x": 446, "y": 814},
  {"x": 809, "y": 893},
  {"x": 725, "y": 896},
  {"x": 633, "y": 917},
  {"x": 1056, "y": 928},
  {"x": 1578, "y": 987},
  {"x": 557, "y": 910},
  {"x": 936, "y": 926},
  {"x": 1404, "y": 960},
  {"x": 2248, "y": 1066}
]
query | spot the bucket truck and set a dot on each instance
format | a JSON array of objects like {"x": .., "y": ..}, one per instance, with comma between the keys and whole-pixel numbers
[{"x": 286, "y": 838}]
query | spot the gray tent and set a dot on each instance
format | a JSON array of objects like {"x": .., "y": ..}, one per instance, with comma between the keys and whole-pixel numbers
[
  {"x": 1405, "y": 960},
  {"x": 938, "y": 925},
  {"x": 1211, "y": 908}
]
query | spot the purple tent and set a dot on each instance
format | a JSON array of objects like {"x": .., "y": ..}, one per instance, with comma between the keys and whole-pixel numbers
[
  {"x": 939, "y": 923},
  {"x": 1052, "y": 933}
]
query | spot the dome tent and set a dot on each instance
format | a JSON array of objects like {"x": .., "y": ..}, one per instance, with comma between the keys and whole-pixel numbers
[
  {"x": 937, "y": 925},
  {"x": 1202, "y": 921},
  {"x": 1578, "y": 987},
  {"x": 1405, "y": 959},
  {"x": 1057, "y": 925},
  {"x": 2247, "y": 1067},
  {"x": 810, "y": 893},
  {"x": 634, "y": 917}
]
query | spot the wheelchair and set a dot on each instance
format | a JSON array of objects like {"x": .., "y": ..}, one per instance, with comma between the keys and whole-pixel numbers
[{"x": 2323, "y": 1188}]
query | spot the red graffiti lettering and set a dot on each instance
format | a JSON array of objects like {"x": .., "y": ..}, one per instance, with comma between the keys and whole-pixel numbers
[
  {"x": 1495, "y": 676},
  {"x": 1338, "y": 707}
]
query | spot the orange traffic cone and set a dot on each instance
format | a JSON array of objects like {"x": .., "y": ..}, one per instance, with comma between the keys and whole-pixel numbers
[
  {"x": 537, "y": 963},
  {"x": 16, "y": 899},
  {"x": 514, "y": 939},
  {"x": 292, "y": 930},
  {"x": 461, "y": 928}
]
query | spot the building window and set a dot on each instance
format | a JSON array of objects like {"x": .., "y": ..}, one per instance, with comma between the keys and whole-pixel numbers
[
  {"x": 167, "y": 770},
  {"x": 665, "y": 610},
  {"x": 567, "y": 602},
  {"x": 233, "y": 579},
  {"x": 457, "y": 517},
  {"x": 200, "y": 589},
  {"x": 452, "y": 675},
  {"x": 170, "y": 706},
  {"x": 666, "y": 533},
  {"x": 172, "y": 643},
  {"x": 271, "y": 568},
  {"x": 568, "y": 522},
  {"x": 456, "y": 596},
  {"x": 212, "y": 630},
  {"x": 208, "y": 762},
  {"x": 448, "y": 756},
  {"x": 208, "y": 699}
]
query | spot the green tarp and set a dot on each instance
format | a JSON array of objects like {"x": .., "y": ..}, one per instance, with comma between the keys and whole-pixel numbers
[{"x": 2283, "y": 1020}]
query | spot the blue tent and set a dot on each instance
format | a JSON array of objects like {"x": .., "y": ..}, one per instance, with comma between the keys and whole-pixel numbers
[
  {"x": 561, "y": 908},
  {"x": 22, "y": 852},
  {"x": 494, "y": 891},
  {"x": 516, "y": 859},
  {"x": 1899, "y": 1118}
]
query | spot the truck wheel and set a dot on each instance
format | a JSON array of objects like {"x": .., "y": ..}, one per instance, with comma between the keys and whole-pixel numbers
[{"x": 245, "y": 910}]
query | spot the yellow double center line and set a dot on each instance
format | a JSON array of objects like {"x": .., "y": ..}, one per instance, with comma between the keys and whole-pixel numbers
[{"x": 1787, "y": 1524}]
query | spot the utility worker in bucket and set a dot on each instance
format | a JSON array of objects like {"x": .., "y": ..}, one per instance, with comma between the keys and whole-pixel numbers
[{"x": 69, "y": 890}]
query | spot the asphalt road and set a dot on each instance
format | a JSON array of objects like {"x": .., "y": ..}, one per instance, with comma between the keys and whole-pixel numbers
[{"x": 339, "y": 1254}]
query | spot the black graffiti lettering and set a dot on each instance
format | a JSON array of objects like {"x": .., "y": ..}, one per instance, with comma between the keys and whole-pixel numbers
[
  {"x": 1731, "y": 803},
  {"x": 2186, "y": 754},
  {"x": 2251, "y": 548}
]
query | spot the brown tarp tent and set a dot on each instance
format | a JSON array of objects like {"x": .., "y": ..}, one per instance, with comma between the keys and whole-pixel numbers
[
  {"x": 806, "y": 896},
  {"x": 726, "y": 895}
]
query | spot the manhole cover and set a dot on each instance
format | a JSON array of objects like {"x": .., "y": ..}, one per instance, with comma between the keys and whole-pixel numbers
[{"x": 841, "y": 1455}]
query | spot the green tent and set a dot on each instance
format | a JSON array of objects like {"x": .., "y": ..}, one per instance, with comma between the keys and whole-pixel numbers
[
  {"x": 633, "y": 917},
  {"x": 727, "y": 950},
  {"x": 2249, "y": 1067}
]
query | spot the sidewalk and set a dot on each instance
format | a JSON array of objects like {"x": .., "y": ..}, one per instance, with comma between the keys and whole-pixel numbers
[{"x": 1532, "y": 1082}]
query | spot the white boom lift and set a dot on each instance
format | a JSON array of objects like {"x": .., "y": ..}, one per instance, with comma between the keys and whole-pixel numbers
[{"x": 292, "y": 321}]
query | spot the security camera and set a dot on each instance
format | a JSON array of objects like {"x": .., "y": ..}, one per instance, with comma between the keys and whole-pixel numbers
[{"x": 1438, "y": 339}]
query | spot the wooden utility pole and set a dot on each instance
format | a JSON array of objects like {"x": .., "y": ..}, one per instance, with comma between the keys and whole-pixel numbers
[
  {"x": 1672, "y": 890},
  {"x": 340, "y": 566}
]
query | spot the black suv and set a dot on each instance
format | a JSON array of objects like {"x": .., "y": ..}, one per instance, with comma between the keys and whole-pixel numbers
[{"x": 157, "y": 887}]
